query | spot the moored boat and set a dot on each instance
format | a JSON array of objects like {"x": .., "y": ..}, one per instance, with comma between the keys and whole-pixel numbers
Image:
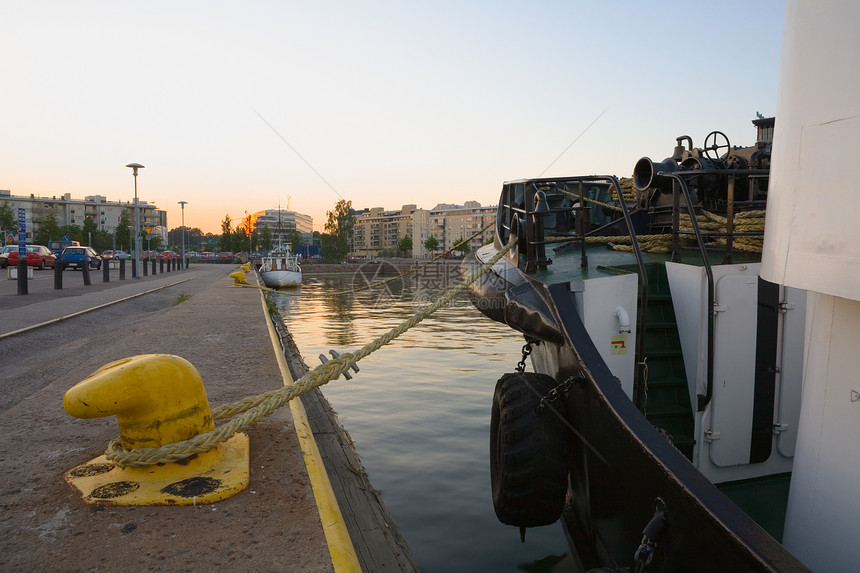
[
  {"x": 281, "y": 269},
  {"x": 679, "y": 413}
]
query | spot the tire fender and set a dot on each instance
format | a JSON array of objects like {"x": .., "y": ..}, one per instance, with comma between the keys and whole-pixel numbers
[{"x": 529, "y": 451}]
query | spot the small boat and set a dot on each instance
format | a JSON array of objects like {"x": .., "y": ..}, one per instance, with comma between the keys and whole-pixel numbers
[
  {"x": 281, "y": 269},
  {"x": 692, "y": 402}
]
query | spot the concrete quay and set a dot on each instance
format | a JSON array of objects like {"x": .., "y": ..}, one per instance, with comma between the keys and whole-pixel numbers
[{"x": 51, "y": 339}]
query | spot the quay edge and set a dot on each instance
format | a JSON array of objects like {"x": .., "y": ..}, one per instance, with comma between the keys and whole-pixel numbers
[{"x": 375, "y": 537}]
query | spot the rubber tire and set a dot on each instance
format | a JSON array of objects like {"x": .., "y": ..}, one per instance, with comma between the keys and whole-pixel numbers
[{"x": 529, "y": 451}]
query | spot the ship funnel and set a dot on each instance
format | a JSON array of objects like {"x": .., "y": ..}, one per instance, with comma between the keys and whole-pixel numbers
[{"x": 645, "y": 173}]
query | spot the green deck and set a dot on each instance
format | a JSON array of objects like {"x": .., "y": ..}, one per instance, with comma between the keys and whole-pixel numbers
[{"x": 764, "y": 499}]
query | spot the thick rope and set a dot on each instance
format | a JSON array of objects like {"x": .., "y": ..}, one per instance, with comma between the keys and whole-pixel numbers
[
  {"x": 253, "y": 408},
  {"x": 744, "y": 222}
]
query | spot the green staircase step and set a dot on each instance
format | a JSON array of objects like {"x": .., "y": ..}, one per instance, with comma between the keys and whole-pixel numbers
[{"x": 668, "y": 400}]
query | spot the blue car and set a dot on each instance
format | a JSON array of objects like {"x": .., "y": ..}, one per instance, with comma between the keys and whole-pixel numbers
[{"x": 77, "y": 257}]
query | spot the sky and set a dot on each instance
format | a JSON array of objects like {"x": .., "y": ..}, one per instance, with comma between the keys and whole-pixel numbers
[{"x": 242, "y": 106}]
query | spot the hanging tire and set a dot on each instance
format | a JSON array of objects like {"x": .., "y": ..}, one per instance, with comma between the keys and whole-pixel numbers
[{"x": 529, "y": 451}]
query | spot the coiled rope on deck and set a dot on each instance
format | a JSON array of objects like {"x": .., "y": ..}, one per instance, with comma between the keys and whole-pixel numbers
[
  {"x": 253, "y": 408},
  {"x": 743, "y": 222}
]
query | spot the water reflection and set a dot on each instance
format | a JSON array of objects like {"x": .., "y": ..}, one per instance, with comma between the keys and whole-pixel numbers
[{"x": 419, "y": 414}]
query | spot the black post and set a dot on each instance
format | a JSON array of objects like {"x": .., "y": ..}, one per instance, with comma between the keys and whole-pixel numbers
[
  {"x": 134, "y": 268},
  {"x": 145, "y": 267},
  {"x": 85, "y": 270},
  {"x": 23, "y": 287},
  {"x": 105, "y": 271},
  {"x": 58, "y": 275},
  {"x": 162, "y": 266},
  {"x": 153, "y": 266},
  {"x": 122, "y": 269}
]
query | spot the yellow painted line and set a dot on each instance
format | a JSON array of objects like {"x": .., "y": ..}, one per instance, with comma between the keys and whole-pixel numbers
[{"x": 340, "y": 547}]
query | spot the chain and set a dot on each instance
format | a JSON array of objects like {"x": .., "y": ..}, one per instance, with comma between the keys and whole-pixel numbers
[
  {"x": 644, "y": 555},
  {"x": 527, "y": 350},
  {"x": 653, "y": 531},
  {"x": 557, "y": 392}
]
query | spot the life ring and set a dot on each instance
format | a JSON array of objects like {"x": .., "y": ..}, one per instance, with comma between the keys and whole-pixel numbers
[{"x": 529, "y": 451}]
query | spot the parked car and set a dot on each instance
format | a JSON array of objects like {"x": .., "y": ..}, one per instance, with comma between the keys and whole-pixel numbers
[
  {"x": 76, "y": 257},
  {"x": 4, "y": 254},
  {"x": 58, "y": 246},
  {"x": 118, "y": 255},
  {"x": 37, "y": 256},
  {"x": 170, "y": 255}
]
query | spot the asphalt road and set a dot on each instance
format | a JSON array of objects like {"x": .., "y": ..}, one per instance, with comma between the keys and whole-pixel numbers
[{"x": 31, "y": 360}]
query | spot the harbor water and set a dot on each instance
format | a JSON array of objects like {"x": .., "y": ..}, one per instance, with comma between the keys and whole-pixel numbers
[{"x": 419, "y": 412}]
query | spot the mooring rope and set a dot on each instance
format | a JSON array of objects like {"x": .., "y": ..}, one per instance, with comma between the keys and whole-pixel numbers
[{"x": 253, "y": 408}]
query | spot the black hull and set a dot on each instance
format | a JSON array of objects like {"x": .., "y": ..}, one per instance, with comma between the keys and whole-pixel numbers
[{"x": 622, "y": 467}]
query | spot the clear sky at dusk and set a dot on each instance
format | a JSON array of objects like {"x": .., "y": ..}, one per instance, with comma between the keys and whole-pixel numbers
[{"x": 384, "y": 103}]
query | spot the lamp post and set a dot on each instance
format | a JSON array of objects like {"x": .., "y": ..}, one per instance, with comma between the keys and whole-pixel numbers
[
  {"x": 183, "y": 203},
  {"x": 136, "y": 249}
]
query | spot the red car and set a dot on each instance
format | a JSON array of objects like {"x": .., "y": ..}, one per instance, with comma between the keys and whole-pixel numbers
[{"x": 37, "y": 256}]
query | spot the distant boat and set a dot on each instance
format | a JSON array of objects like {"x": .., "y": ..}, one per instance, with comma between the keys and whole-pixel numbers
[{"x": 281, "y": 269}]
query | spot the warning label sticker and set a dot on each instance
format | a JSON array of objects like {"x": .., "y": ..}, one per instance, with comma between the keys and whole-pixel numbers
[{"x": 619, "y": 344}]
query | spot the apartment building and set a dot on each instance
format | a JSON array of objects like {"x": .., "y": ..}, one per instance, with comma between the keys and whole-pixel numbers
[
  {"x": 377, "y": 232},
  {"x": 70, "y": 211},
  {"x": 451, "y": 223}
]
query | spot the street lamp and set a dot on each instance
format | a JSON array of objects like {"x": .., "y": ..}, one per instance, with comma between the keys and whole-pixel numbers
[
  {"x": 183, "y": 203},
  {"x": 136, "y": 249}
]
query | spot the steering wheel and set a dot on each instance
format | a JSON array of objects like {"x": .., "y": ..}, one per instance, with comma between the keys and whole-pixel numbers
[{"x": 713, "y": 144}]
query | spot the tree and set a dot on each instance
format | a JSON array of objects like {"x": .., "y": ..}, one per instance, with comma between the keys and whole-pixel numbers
[
  {"x": 294, "y": 239},
  {"x": 124, "y": 232},
  {"x": 239, "y": 241},
  {"x": 49, "y": 230},
  {"x": 225, "y": 243},
  {"x": 338, "y": 231},
  {"x": 266, "y": 239},
  {"x": 404, "y": 245},
  {"x": 8, "y": 221},
  {"x": 431, "y": 244},
  {"x": 462, "y": 245},
  {"x": 88, "y": 231}
]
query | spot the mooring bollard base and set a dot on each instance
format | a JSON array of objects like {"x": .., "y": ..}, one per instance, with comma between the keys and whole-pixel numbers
[{"x": 205, "y": 478}]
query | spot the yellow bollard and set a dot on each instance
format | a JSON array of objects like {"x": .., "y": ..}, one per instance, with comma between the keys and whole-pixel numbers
[
  {"x": 157, "y": 399},
  {"x": 246, "y": 267},
  {"x": 238, "y": 278}
]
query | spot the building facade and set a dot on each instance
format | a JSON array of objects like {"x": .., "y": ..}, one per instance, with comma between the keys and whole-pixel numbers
[
  {"x": 283, "y": 224},
  {"x": 378, "y": 232},
  {"x": 452, "y": 223},
  {"x": 69, "y": 211}
]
